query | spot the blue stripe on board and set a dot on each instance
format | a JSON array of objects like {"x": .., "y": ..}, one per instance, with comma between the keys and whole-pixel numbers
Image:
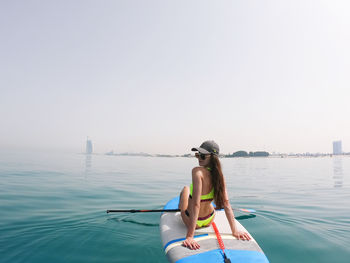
[
  {"x": 181, "y": 239},
  {"x": 246, "y": 256}
]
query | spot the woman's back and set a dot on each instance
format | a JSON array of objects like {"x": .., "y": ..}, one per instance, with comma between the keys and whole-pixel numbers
[{"x": 206, "y": 192}]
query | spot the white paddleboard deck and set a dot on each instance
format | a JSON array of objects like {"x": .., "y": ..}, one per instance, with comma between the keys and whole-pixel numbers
[{"x": 173, "y": 232}]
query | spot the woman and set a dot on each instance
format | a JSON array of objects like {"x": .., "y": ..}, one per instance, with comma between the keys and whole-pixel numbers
[{"x": 208, "y": 184}]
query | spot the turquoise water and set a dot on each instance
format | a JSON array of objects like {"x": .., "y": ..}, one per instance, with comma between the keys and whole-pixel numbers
[{"x": 53, "y": 206}]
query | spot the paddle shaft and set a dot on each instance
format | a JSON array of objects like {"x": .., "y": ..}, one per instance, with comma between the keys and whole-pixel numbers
[
  {"x": 142, "y": 211},
  {"x": 163, "y": 210}
]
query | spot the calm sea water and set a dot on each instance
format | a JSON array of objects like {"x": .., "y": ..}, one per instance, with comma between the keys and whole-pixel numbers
[{"x": 53, "y": 206}]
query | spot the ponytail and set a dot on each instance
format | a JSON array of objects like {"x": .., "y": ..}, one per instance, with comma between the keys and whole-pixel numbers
[{"x": 217, "y": 180}]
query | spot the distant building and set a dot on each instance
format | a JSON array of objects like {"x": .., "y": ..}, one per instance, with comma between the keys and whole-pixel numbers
[
  {"x": 337, "y": 149},
  {"x": 88, "y": 146}
]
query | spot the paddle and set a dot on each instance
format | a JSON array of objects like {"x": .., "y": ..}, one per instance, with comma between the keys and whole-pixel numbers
[{"x": 166, "y": 210}]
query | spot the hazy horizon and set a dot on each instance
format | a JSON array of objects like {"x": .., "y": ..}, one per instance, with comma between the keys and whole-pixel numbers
[{"x": 163, "y": 76}]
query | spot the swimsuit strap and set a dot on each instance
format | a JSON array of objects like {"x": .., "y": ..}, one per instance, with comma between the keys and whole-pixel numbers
[{"x": 207, "y": 197}]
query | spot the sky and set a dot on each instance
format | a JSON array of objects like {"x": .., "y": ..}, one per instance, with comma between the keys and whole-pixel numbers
[{"x": 163, "y": 76}]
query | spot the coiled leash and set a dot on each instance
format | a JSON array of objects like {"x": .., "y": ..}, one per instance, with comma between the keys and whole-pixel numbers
[{"x": 221, "y": 243}]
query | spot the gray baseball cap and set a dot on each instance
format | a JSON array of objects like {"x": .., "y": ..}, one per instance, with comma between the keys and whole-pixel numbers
[{"x": 208, "y": 147}]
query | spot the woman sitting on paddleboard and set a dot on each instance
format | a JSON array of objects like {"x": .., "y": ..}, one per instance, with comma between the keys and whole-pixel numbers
[{"x": 208, "y": 184}]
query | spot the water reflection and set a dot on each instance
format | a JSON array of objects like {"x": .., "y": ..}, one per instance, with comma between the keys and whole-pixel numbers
[
  {"x": 88, "y": 163},
  {"x": 338, "y": 171}
]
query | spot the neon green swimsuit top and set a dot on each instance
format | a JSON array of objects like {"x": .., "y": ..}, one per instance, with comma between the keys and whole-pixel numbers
[{"x": 204, "y": 198}]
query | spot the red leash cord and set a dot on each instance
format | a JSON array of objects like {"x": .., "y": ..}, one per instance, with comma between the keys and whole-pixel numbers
[{"x": 221, "y": 243}]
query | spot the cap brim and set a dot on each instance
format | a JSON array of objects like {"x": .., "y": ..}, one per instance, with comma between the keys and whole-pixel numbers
[{"x": 201, "y": 150}]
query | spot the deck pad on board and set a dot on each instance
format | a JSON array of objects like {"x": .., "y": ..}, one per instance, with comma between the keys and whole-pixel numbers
[{"x": 173, "y": 232}]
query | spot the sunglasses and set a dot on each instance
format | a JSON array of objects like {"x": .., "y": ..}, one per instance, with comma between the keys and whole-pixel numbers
[{"x": 200, "y": 155}]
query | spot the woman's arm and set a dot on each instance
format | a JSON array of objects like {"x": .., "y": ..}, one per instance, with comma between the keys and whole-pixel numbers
[
  {"x": 194, "y": 208},
  {"x": 231, "y": 219},
  {"x": 196, "y": 201},
  {"x": 229, "y": 212}
]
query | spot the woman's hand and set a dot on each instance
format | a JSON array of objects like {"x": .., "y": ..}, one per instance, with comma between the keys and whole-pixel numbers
[
  {"x": 240, "y": 235},
  {"x": 191, "y": 243}
]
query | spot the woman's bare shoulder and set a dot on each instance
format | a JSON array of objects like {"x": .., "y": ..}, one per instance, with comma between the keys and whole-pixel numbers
[{"x": 198, "y": 170}]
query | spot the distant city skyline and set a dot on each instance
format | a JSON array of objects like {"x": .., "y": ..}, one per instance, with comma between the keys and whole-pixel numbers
[
  {"x": 164, "y": 76},
  {"x": 337, "y": 147},
  {"x": 89, "y": 148},
  {"x": 337, "y": 150}
]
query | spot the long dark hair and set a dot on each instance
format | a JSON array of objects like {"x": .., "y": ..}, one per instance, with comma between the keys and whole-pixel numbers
[{"x": 217, "y": 180}]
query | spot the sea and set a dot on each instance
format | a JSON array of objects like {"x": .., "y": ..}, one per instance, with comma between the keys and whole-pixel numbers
[{"x": 53, "y": 206}]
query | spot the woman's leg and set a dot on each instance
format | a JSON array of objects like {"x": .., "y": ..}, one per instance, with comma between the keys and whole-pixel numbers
[{"x": 183, "y": 205}]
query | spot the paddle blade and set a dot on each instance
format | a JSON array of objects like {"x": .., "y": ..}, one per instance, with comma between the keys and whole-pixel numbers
[{"x": 247, "y": 210}]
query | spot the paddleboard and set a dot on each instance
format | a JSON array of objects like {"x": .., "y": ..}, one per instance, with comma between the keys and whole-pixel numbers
[{"x": 173, "y": 233}]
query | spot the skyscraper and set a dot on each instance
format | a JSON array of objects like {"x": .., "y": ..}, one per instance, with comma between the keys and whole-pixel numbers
[
  {"x": 88, "y": 146},
  {"x": 337, "y": 147}
]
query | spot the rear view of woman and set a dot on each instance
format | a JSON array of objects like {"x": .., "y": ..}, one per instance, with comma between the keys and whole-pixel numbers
[{"x": 208, "y": 184}]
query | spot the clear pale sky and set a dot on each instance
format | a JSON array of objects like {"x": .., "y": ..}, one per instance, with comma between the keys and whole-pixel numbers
[{"x": 162, "y": 76}]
